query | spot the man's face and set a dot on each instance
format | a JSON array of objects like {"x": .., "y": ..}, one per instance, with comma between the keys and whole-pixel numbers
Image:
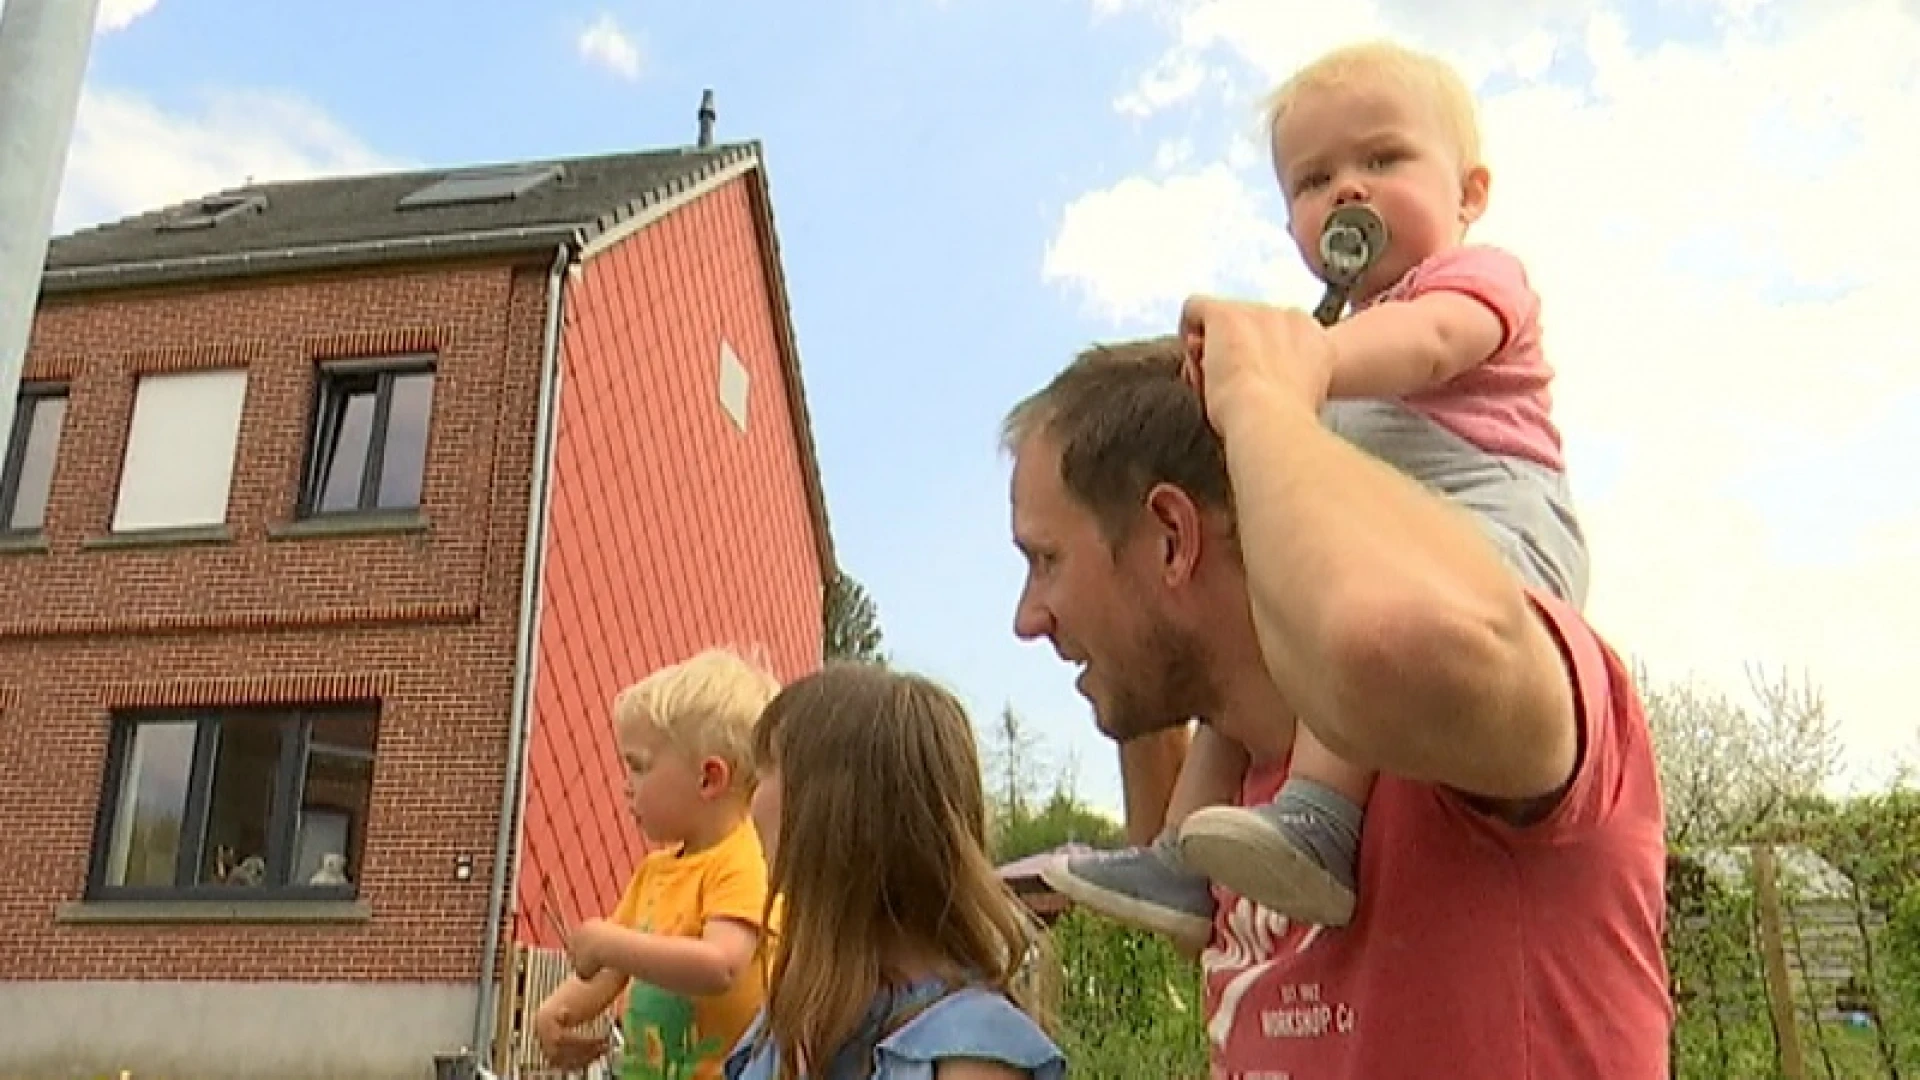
[{"x": 1102, "y": 609}]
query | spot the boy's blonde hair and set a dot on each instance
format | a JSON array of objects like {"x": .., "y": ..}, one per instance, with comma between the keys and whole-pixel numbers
[
  {"x": 1387, "y": 65},
  {"x": 704, "y": 706}
]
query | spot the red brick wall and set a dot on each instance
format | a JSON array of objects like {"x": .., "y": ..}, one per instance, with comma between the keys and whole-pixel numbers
[
  {"x": 672, "y": 529},
  {"x": 425, "y": 619}
]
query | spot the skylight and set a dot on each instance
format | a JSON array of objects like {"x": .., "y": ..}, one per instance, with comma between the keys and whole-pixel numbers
[
  {"x": 481, "y": 186},
  {"x": 212, "y": 210}
]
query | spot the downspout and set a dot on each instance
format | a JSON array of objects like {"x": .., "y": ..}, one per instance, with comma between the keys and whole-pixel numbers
[{"x": 525, "y": 653}]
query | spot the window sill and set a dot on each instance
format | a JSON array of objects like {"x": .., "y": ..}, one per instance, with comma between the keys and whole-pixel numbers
[
  {"x": 183, "y": 537},
  {"x": 23, "y": 543},
  {"x": 107, "y": 912},
  {"x": 356, "y": 524}
]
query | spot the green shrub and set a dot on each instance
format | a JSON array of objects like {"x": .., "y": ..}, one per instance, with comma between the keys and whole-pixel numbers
[{"x": 1131, "y": 1007}]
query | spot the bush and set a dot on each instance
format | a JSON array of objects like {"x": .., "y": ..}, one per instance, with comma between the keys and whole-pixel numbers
[
  {"x": 1130, "y": 1005},
  {"x": 1901, "y": 979}
]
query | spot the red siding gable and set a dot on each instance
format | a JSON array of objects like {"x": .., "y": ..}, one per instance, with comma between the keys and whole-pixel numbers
[{"x": 671, "y": 529}]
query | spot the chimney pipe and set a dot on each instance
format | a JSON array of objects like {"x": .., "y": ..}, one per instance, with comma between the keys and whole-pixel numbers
[{"x": 706, "y": 118}]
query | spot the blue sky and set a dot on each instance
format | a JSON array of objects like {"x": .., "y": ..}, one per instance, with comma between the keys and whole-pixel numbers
[
  {"x": 969, "y": 190},
  {"x": 918, "y": 154}
]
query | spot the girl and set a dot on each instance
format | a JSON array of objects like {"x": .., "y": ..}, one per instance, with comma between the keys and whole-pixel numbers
[{"x": 899, "y": 954}]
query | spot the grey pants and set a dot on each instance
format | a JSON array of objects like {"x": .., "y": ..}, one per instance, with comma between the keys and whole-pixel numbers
[{"x": 1525, "y": 507}]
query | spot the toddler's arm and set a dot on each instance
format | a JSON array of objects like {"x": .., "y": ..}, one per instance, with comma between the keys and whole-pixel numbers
[
  {"x": 1403, "y": 348},
  {"x": 572, "y": 1004},
  {"x": 694, "y": 967},
  {"x": 1459, "y": 309}
]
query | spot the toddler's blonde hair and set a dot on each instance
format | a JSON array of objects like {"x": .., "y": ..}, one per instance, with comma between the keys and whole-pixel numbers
[
  {"x": 704, "y": 706},
  {"x": 1386, "y": 65}
]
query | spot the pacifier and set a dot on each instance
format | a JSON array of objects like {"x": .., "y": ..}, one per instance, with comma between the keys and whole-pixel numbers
[{"x": 1352, "y": 240}]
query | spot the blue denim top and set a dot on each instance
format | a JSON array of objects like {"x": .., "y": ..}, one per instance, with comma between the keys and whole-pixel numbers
[{"x": 965, "y": 1022}]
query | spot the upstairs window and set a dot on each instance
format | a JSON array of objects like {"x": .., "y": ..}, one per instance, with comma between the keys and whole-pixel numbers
[
  {"x": 368, "y": 450},
  {"x": 26, "y": 458},
  {"x": 178, "y": 469}
]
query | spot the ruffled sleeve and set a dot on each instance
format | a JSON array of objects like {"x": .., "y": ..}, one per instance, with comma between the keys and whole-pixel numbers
[{"x": 974, "y": 1024}]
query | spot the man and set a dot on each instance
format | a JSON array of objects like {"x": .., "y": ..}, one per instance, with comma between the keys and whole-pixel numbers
[{"x": 1235, "y": 561}]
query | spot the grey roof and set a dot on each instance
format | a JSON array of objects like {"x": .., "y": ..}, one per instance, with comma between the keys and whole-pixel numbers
[{"x": 358, "y": 220}]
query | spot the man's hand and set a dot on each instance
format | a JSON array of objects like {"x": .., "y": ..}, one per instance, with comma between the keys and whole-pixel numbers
[
  {"x": 565, "y": 1046},
  {"x": 1239, "y": 353},
  {"x": 587, "y": 947}
]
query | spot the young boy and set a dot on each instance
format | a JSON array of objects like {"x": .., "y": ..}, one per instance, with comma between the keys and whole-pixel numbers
[
  {"x": 685, "y": 942},
  {"x": 1440, "y": 373}
]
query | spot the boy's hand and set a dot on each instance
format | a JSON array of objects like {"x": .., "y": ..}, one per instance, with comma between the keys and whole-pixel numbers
[
  {"x": 587, "y": 945},
  {"x": 565, "y": 1046},
  {"x": 1239, "y": 353}
]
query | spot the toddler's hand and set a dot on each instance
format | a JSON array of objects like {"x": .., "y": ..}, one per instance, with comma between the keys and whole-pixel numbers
[
  {"x": 566, "y": 1047},
  {"x": 586, "y": 947}
]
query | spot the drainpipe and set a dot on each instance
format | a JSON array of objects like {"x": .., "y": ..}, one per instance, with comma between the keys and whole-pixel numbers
[{"x": 506, "y": 846}]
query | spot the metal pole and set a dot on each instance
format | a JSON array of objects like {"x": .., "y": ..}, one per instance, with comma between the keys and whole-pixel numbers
[{"x": 43, "y": 57}]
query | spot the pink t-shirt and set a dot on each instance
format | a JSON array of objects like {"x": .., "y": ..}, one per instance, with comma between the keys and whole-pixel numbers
[
  {"x": 1479, "y": 950},
  {"x": 1502, "y": 404}
]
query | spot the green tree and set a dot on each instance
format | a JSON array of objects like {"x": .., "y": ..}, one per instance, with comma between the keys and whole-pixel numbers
[
  {"x": 1026, "y": 821},
  {"x": 852, "y": 622},
  {"x": 1132, "y": 1006},
  {"x": 1062, "y": 819},
  {"x": 1013, "y": 764}
]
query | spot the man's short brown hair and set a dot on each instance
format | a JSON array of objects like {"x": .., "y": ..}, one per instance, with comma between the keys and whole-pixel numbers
[{"x": 1125, "y": 421}]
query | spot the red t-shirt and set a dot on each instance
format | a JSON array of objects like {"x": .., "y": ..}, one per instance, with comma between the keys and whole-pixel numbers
[{"x": 1479, "y": 950}]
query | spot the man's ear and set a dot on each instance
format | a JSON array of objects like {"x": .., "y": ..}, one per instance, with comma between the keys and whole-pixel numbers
[{"x": 1176, "y": 522}]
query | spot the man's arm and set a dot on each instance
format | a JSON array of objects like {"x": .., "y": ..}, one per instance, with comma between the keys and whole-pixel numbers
[
  {"x": 694, "y": 967},
  {"x": 1392, "y": 350},
  {"x": 1149, "y": 769},
  {"x": 1383, "y": 613}
]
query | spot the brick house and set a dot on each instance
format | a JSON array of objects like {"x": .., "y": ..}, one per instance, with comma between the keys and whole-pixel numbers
[{"x": 334, "y": 514}]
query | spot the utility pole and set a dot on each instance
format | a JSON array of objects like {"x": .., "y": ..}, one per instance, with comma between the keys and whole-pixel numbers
[{"x": 43, "y": 58}]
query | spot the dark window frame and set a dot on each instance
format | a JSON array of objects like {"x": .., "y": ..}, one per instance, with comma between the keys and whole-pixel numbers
[
  {"x": 334, "y": 382},
  {"x": 13, "y": 455},
  {"x": 282, "y": 826}
]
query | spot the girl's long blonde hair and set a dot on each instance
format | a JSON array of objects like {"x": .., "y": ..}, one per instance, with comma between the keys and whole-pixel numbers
[{"x": 881, "y": 854}]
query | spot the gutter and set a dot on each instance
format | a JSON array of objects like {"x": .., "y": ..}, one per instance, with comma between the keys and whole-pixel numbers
[
  {"x": 353, "y": 253},
  {"x": 506, "y": 847}
]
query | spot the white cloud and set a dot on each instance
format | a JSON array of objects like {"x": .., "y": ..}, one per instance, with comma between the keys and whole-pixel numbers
[
  {"x": 1122, "y": 246},
  {"x": 607, "y": 45},
  {"x": 1727, "y": 281},
  {"x": 129, "y": 155},
  {"x": 119, "y": 14}
]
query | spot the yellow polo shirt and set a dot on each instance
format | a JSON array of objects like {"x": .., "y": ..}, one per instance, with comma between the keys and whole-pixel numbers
[{"x": 677, "y": 895}]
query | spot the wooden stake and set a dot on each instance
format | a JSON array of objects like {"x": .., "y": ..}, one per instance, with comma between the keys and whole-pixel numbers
[{"x": 1773, "y": 955}]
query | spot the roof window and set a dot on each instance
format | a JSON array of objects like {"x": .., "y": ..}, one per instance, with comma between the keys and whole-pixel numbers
[
  {"x": 212, "y": 210},
  {"x": 481, "y": 186}
]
